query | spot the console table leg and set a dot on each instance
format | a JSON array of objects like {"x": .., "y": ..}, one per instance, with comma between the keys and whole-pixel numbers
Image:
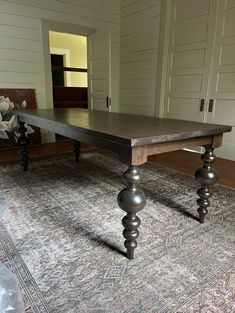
[
  {"x": 23, "y": 142},
  {"x": 77, "y": 150},
  {"x": 206, "y": 176},
  {"x": 131, "y": 200}
]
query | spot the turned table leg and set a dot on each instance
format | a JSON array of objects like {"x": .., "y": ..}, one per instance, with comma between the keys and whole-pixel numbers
[
  {"x": 206, "y": 176},
  {"x": 131, "y": 200},
  {"x": 77, "y": 150},
  {"x": 23, "y": 142}
]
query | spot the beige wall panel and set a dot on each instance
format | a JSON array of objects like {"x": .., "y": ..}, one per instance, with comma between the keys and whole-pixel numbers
[
  {"x": 140, "y": 30},
  {"x": 21, "y": 55},
  {"x": 139, "y": 74},
  {"x": 108, "y": 6},
  {"x": 137, "y": 110},
  {"x": 22, "y": 44},
  {"x": 19, "y": 20},
  {"x": 19, "y": 32},
  {"x": 137, "y": 65},
  {"x": 137, "y": 6},
  {"x": 129, "y": 38},
  {"x": 20, "y": 67},
  {"x": 143, "y": 93},
  {"x": 26, "y": 78},
  {"x": 139, "y": 16},
  {"x": 139, "y": 55},
  {"x": 143, "y": 26},
  {"x": 138, "y": 83},
  {"x": 136, "y": 101},
  {"x": 145, "y": 43},
  {"x": 64, "y": 8}
]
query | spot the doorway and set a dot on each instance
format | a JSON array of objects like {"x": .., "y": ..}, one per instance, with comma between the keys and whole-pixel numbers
[{"x": 68, "y": 55}]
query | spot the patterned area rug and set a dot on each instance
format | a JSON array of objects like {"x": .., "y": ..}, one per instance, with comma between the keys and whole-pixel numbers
[{"x": 62, "y": 236}]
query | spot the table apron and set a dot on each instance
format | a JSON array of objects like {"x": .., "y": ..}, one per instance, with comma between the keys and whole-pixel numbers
[{"x": 139, "y": 155}]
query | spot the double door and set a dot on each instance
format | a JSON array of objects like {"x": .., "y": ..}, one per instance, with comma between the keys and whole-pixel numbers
[{"x": 201, "y": 65}]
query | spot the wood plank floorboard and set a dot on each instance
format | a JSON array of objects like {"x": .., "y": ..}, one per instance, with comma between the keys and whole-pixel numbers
[
  {"x": 183, "y": 161},
  {"x": 188, "y": 162}
]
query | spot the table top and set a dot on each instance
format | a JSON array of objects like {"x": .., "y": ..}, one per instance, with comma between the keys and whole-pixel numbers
[{"x": 132, "y": 130}]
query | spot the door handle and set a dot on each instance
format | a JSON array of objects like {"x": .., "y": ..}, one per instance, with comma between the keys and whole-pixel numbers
[
  {"x": 108, "y": 102},
  {"x": 202, "y": 104},
  {"x": 211, "y": 104}
]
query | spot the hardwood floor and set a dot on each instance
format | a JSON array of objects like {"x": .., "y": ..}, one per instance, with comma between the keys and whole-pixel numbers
[
  {"x": 184, "y": 161},
  {"x": 188, "y": 162}
]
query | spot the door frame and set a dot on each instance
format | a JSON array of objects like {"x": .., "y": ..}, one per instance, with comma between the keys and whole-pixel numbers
[
  {"x": 48, "y": 25},
  {"x": 159, "y": 110}
]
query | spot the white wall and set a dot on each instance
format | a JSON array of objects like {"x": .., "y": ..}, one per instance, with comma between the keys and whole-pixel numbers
[
  {"x": 21, "y": 40},
  {"x": 140, "y": 30}
]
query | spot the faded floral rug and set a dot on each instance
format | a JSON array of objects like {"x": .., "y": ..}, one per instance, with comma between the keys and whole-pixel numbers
[{"x": 62, "y": 237}]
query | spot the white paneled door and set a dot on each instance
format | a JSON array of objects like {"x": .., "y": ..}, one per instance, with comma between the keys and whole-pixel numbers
[
  {"x": 99, "y": 50},
  {"x": 222, "y": 89},
  {"x": 190, "y": 46},
  {"x": 201, "y": 65}
]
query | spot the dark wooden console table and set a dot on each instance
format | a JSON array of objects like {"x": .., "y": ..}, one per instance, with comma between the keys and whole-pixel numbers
[{"x": 133, "y": 138}]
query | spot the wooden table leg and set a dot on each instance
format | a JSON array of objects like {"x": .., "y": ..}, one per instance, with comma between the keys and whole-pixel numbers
[
  {"x": 23, "y": 142},
  {"x": 206, "y": 176},
  {"x": 131, "y": 200},
  {"x": 77, "y": 150}
]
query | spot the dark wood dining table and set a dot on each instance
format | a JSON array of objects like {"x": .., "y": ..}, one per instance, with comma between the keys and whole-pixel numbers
[{"x": 133, "y": 138}]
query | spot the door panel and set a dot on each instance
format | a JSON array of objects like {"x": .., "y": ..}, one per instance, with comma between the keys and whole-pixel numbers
[
  {"x": 222, "y": 88},
  {"x": 191, "y": 32},
  {"x": 99, "y": 70},
  {"x": 186, "y": 83},
  {"x": 201, "y": 65},
  {"x": 179, "y": 108},
  {"x": 188, "y": 59},
  {"x": 227, "y": 54},
  {"x": 186, "y": 9},
  {"x": 230, "y": 4}
]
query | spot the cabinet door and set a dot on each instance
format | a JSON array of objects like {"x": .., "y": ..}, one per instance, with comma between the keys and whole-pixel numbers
[
  {"x": 191, "y": 30},
  {"x": 222, "y": 89}
]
